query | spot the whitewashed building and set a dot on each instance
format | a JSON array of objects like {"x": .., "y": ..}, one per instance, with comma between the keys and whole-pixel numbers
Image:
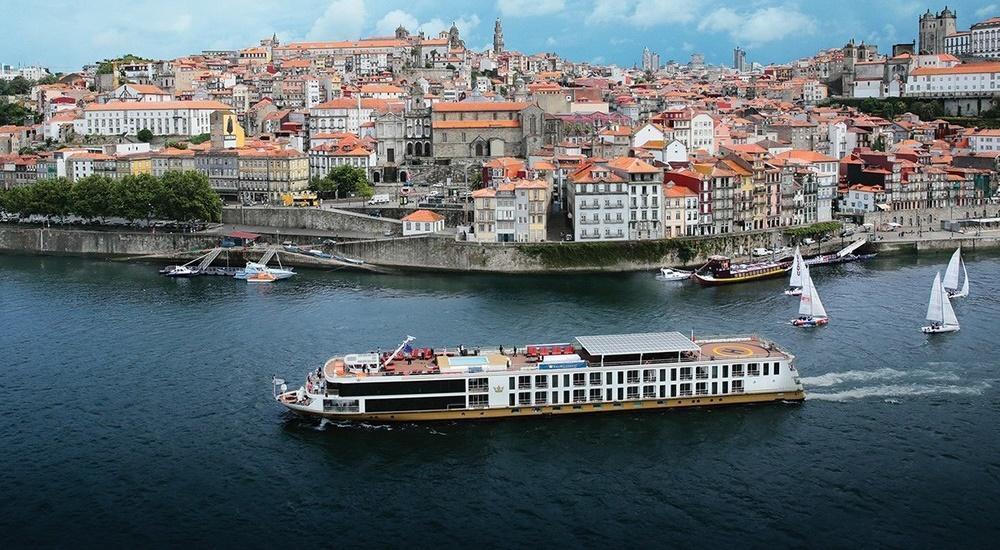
[{"x": 163, "y": 118}]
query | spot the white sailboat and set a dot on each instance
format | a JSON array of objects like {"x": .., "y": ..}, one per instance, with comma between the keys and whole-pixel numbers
[
  {"x": 795, "y": 279},
  {"x": 811, "y": 310},
  {"x": 951, "y": 277},
  {"x": 939, "y": 310}
]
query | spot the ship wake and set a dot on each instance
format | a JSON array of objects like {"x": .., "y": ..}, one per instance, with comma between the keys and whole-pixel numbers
[
  {"x": 883, "y": 374},
  {"x": 888, "y": 391}
]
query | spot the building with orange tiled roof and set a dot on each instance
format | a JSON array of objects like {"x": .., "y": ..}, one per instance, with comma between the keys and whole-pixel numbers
[
  {"x": 478, "y": 129},
  {"x": 422, "y": 222},
  {"x": 515, "y": 211},
  {"x": 163, "y": 118}
]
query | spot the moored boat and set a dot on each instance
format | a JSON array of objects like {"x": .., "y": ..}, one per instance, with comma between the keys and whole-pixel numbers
[
  {"x": 261, "y": 277},
  {"x": 720, "y": 271},
  {"x": 670, "y": 274},
  {"x": 254, "y": 267},
  {"x": 627, "y": 372},
  {"x": 182, "y": 271}
]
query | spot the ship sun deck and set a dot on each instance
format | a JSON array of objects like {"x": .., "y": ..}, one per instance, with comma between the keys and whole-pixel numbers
[{"x": 587, "y": 351}]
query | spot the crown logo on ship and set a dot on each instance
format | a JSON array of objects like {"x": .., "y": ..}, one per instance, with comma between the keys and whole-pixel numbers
[{"x": 498, "y": 389}]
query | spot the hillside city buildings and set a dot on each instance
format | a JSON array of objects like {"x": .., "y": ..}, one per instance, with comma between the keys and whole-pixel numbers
[{"x": 534, "y": 146}]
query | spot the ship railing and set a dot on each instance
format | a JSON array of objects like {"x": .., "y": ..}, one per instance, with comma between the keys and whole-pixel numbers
[
  {"x": 702, "y": 391},
  {"x": 702, "y": 376},
  {"x": 524, "y": 385},
  {"x": 479, "y": 387},
  {"x": 685, "y": 376},
  {"x": 632, "y": 380},
  {"x": 685, "y": 393}
]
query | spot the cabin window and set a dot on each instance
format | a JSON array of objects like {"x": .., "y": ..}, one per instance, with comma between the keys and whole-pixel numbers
[
  {"x": 511, "y": 384},
  {"x": 701, "y": 388},
  {"x": 511, "y": 400},
  {"x": 673, "y": 375},
  {"x": 663, "y": 375},
  {"x": 776, "y": 367},
  {"x": 725, "y": 371},
  {"x": 685, "y": 373},
  {"x": 632, "y": 392},
  {"x": 555, "y": 398},
  {"x": 621, "y": 394},
  {"x": 479, "y": 384},
  {"x": 715, "y": 371},
  {"x": 415, "y": 404},
  {"x": 753, "y": 369},
  {"x": 663, "y": 390},
  {"x": 579, "y": 396},
  {"x": 673, "y": 390},
  {"x": 725, "y": 387},
  {"x": 524, "y": 398},
  {"x": 649, "y": 391},
  {"x": 595, "y": 394},
  {"x": 737, "y": 386},
  {"x": 685, "y": 390},
  {"x": 737, "y": 370},
  {"x": 579, "y": 379},
  {"x": 621, "y": 377},
  {"x": 766, "y": 368},
  {"x": 701, "y": 373},
  {"x": 541, "y": 381},
  {"x": 565, "y": 380},
  {"x": 633, "y": 377},
  {"x": 555, "y": 380},
  {"x": 565, "y": 396},
  {"x": 479, "y": 401},
  {"x": 540, "y": 397},
  {"x": 610, "y": 378},
  {"x": 610, "y": 394},
  {"x": 595, "y": 379},
  {"x": 523, "y": 382},
  {"x": 715, "y": 388},
  {"x": 649, "y": 375}
]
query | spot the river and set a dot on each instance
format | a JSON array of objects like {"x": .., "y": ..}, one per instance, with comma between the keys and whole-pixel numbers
[{"x": 137, "y": 411}]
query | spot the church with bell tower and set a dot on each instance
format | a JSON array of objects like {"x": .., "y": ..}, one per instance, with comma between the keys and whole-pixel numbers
[{"x": 498, "y": 37}]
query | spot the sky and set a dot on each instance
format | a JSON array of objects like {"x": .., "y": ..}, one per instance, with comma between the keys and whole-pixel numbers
[{"x": 66, "y": 34}]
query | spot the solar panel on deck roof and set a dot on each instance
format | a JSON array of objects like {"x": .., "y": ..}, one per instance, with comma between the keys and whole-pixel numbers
[{"x": 629, "y": 344}]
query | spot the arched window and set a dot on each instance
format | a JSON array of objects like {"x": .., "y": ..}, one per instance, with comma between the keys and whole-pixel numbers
[
  {"x": 409, "y": 149},
  {"x": 427, "y": 149},
  {"x": 479, "y": 149},
  {"x": 376, "y": 176},
  {"x": 403, "y": 176},
  {"x": 418, "y": 149}
]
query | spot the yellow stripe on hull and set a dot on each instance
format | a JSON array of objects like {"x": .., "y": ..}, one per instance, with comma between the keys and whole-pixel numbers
[{"x": 548, "y": 410}]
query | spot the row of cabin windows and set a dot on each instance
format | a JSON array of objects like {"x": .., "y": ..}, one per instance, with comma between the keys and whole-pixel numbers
[
  {"x": 595, "y": 395},
  {"x": 578, "y": 379}
]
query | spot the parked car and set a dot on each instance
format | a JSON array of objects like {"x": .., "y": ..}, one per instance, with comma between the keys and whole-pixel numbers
[
  {"x": 807, "y": 241},
  {"x": 762, "y": 252}
]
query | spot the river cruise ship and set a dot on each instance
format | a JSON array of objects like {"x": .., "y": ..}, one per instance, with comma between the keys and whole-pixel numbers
[{"x": 626, "y": 372}]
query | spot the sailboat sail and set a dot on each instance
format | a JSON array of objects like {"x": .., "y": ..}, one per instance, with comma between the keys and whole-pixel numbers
[
  {"x": 947, "y": 312},
  {"x": 951, "y": 274},
  {"x": 965, "y": 284},
  {"x": 795, "y": 280},
  {"x": 809, "y": 303},
  {"x": 817, "y": 305},
  {"x": 935, "y": 307}
]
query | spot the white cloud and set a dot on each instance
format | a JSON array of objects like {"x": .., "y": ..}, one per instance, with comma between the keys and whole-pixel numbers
[
  {"x": 551, "y": 41},
  {"x": 529, "y": 8},
  {"x": 342, "y": 19},
  {"x": 388, "y": 23},
  {"x": 989, "y": 10},
  {"x": 644, "y": 13},
  {"x": 761, "y": 26}
]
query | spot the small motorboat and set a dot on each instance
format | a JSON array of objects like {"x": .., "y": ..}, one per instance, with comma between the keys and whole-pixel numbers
[
  {"x": 182, "y": 271},
  {"x": 254, "y": 267},
  {"x": 318, "y": 254},
  {"x": 670, "y": 274},
  {"x": 261, "y": 277}
]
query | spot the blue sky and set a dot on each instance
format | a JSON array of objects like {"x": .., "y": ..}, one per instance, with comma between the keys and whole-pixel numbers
[{"x": 64, "y": 34}]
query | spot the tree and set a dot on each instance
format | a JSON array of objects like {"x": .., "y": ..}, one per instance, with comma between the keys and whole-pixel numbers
[
  {"x": 200, "y": 138},
  {"x": 145, "y": 135},
  {"x": 93, "y": 197},
  {"x": 12, "y": 113},
  {"x": 52, "y": 197},
  {"x": 347, "y": 180},
  {"x": 188, "y": 196},
  {"x": 135, "y": 195},
  {"x": 879, "y": 144}
]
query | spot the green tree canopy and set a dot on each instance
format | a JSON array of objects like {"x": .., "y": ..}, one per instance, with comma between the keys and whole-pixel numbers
[
  {"x": 145, "y": 135},
  {"x": 93, "y": 197},
  {"x": 343, "y": 181},
  {"x": 52, "y": 197},
  {"x": 188, "y": 196}
]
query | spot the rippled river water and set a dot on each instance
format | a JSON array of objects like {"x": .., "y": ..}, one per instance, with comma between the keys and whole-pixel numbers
[{"x": 136, "y": 410}]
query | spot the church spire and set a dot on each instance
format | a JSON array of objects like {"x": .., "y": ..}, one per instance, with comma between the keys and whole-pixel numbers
[{"x": 498, "y": 37}]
